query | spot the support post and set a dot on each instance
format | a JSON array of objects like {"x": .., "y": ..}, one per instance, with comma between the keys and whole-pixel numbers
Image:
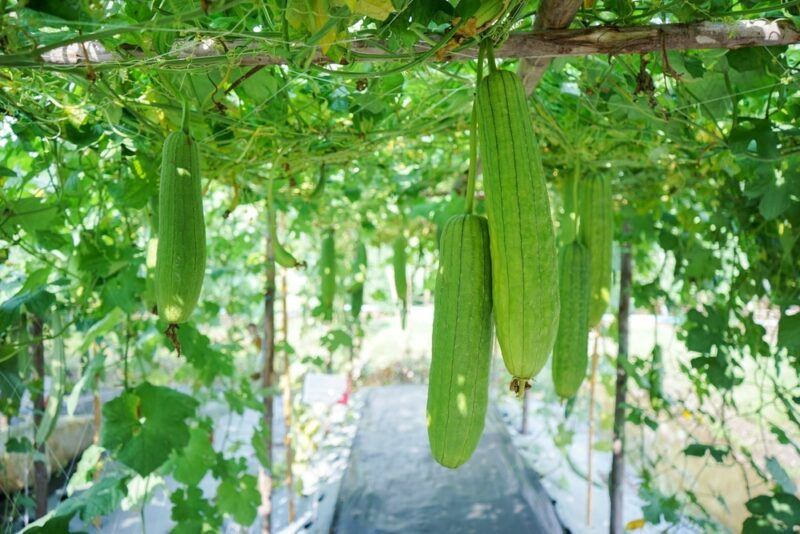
[
  {"x": 41, "y": 479},
  {"x": 268, "y": 359},
  {"x": 617, "y": 477}
]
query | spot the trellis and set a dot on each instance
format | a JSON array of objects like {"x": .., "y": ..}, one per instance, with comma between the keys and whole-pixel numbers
[{"x": 549, "y": 39}]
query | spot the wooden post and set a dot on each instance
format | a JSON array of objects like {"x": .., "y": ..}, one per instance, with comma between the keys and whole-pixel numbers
[
  {"x": 617, "y": 477},
  {"x": 268, "y": 359},
  {"x": 287, "y": 399},
  {"x": 40, "y": 478},
  {"x": 97, "y": 412}
]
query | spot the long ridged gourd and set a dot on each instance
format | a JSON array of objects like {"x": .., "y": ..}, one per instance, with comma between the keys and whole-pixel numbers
[
  {"x": 597, "y": 233},
  {"x": 462, "y": 333},
  {"x": 359, "y": 279},
  {"x": 570, "y": 353},
  {"x": 524, "y": 262},
  {"x": 283, "y": 257},
  {"x": 327, "y": 271},
  {"x": 181, "y": 251},
  {"x": 399, "y": 261}
]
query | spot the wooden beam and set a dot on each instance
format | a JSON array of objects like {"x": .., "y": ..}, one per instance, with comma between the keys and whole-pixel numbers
[
  {"x": 537, "y": 44},
  {"x": 552, "y": 15},
  {"x": 643, "y": 39}
]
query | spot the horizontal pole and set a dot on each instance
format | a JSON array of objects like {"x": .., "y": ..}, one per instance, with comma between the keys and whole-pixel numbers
[
  {"x": 536, "y": 44},
  {"x": 641, "y": 39}
]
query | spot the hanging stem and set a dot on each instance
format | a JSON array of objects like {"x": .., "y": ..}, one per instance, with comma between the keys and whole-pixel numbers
[
  {"x": 481, "y": 56},
  {"x": 473, "y": 140},
  {"x": 185, "y": 117},
  {"x": 490, "y": 57},
  {"x": 473, "y": 160}
]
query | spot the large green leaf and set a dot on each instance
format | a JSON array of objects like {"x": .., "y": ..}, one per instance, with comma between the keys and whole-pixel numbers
[
  {"x": 239, "y": 498},
  {"x": 144, "y": 425}
]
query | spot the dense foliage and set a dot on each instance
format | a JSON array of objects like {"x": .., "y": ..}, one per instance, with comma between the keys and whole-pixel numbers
[{"x": 700, "y": 147}]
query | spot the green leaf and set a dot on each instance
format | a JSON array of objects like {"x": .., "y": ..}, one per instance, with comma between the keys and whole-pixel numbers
[
  {"x": 36, "y": 301},
  {"x": 775, "y": 201},
  {"x": 772, "y": 514},
  {"x": 124, "y": 290},
  {"x": 102, "y": 498},
  {"x": 239, "y": 498},
  {"x": 196, "y": 458},
  {"x": 754, "y": 136},
  {"x": 193, "y": 513},
  {"x": 82, "y": 136},
  {"x": 138, "y": 10},
  {"x": 107, "y": 324},
  {"x": 747, "y": 59},
  {"x": 19, "y": 445},
  {"x": 718, "y": 452},
  {"x": 145, "y": 425},
  {"x": 789, "y": 332},
  {"x": 202, "y": 355},
  {"x": 623, "y": 8},
  {"x": 260, "y": 86},
  {"x": 65, "y": 9},
  {"x": 50, "y": 524},
  {"x": 659, "y": 505},
  {"x": 783, "y": 437},
  {"x": 336, "y": 338},
  {"x": 259, "y": 440},
  {"x": 467, "y": 8}
]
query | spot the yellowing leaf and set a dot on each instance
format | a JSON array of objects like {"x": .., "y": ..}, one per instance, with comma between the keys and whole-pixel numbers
[
  {"x": 312, "y": 16},
  {"x": 374, "y": 9},
  {"x": 635, "y": 524},
  {"x": 297, "y": 14}
]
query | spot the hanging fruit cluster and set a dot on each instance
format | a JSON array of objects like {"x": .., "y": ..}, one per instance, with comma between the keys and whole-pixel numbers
[{"x": 504, "y": 271}]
